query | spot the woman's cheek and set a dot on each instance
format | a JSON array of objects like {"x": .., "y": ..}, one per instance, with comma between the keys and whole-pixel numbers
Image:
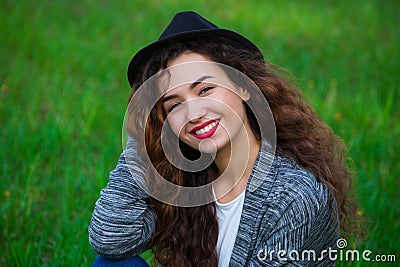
[{"x": 175, "y": 123}]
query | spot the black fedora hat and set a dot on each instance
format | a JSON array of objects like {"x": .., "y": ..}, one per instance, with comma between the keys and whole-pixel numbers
[{"x": 187, "y": 25}]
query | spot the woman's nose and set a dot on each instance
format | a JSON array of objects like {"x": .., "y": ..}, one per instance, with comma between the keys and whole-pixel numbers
[{"x": 195, "y": 110}]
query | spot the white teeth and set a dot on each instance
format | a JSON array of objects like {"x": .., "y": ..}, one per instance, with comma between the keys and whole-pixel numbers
[{"x": 206, "y": 128}]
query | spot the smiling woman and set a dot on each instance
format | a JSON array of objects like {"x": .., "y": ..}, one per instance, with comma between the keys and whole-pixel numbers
[{"x": 205, "y": 92}]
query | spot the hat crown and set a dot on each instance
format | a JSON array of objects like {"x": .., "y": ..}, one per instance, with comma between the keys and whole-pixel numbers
[
  {"x": 188, "y": 21},
  {"x": 188, "y": 25}
]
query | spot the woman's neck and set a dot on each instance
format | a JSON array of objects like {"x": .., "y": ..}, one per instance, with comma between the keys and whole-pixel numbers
[{"x": 235, "y": 163}]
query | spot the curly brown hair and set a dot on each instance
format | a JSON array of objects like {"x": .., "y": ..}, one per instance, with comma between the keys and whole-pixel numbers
[{"x": 187, "y": 236}]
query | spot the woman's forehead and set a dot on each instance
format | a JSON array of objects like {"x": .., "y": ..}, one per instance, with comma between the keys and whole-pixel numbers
[
  {"x": 188, "y": 56},
  {"x": 192, "y": 72}
]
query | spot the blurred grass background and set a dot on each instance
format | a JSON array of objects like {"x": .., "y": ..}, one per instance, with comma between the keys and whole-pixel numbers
[{"x": 64, "y": 90}]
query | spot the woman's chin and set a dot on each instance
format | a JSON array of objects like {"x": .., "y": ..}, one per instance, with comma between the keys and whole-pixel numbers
[{"x": 207, "y": 146}]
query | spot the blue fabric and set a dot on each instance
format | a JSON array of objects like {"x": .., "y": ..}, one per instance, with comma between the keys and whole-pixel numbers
[{"x": 136, "y": 261}]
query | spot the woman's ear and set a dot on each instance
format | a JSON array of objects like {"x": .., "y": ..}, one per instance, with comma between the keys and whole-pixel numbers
[{"x": 244, "y": 94}]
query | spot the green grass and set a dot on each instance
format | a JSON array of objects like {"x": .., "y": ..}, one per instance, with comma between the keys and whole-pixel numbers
[{"x": 63, "y": 92}]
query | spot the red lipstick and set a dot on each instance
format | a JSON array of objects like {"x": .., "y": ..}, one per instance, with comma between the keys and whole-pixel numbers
[{"x": 208, "y": 133}]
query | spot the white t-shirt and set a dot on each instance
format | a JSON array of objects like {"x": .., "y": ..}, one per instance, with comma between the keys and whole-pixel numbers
[{"x": 228, "y": 215}]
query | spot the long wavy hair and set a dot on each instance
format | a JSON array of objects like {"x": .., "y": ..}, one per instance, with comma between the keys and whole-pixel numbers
[{"x": 187, "y": 236}]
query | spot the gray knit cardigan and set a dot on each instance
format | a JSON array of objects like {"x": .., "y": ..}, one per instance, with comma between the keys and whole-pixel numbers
[{"x": 287, "y": 220}]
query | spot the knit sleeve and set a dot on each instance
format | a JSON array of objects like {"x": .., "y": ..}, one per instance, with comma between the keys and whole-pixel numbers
[
  {"x": 122, "y": 223},
  {"x": 304, "y": 227}
]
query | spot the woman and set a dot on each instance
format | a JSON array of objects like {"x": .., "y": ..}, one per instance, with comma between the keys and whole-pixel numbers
[{"x": 192, "y": 104}]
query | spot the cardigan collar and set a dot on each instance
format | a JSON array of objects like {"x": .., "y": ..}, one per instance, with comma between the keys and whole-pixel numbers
[{"x": 260, "y": 182}]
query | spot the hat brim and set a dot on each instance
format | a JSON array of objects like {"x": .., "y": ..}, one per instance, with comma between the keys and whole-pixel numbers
[{"x": 236, "y": 40}]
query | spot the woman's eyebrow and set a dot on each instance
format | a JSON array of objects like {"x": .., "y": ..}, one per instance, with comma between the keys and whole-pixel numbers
[
  {"x": 167, "y": 98},
  {"x": 193, "y": 85},
  {"x": 199, "y": 80}
]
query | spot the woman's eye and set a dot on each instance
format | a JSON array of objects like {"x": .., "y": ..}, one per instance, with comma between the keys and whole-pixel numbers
[
  {"x": 173, "y": 106},
  {"x": 205, "y": 89}
]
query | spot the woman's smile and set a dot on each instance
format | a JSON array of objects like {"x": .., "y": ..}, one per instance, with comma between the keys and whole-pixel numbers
[{"x": 205, "y": 130}]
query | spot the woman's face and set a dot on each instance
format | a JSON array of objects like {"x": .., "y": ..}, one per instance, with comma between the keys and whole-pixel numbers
[{"x": 204, "y": 109}]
